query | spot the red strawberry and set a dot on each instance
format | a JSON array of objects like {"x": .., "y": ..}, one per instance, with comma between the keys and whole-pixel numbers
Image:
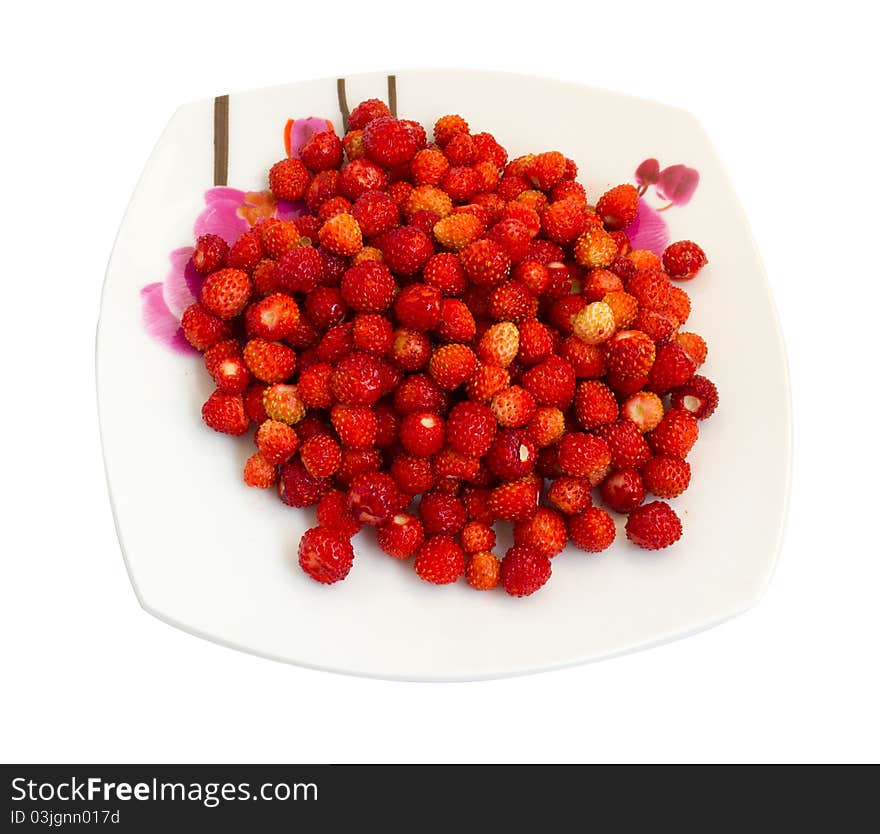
[
  {"x": 470, "y": 428},
  {"x": 368, "y": 287},
  {"x": 592, "y": 530},
  {"x": 694, "y": 346},
  {"x": 523, "y": 571},
  {"x": 513, "y": 407},
  {"x": 282, "y": 402},
  {"x": 225, "y": 413},
  {"x": 412, "y": 474},
  {"x": 410, "y": 350},
  {"x": 297, "y": 488},
  {"x": 631, "y": 353},
  {"x": 418, "y": 392},
  {"x": 333, "y": 513},
  {"x": 653, "y": 526},
  {"x": 428, "y": 167},
  {"x": 300, "y": 270},
  {"x": 476, "y": 537},
  {"x": 209, "y": 254},
  {"x": 388, "y": 141},
  {"x": 276, "y": 441},
  {"x": 570, "y": 495},
  {"x": 273, "y": 318},
  {"x": 322, "y": 151},
  {"x": 583, "y": 455},
  {"x": 483, "y": 571},
  {"x": 374, "y": 498},
  {"x": 672, "y": 368},
  {"x": 365, "y": 112},
  {"x": 624, "y": 308},
  {"x": 356, "y": 425},
  {"x": 402, "y": 536},
  {"x": 341, "y": 235},
  {"x": 359, "y": 379},
  {"x": 253, "y": 402},
  {"x": 551, "y": 382},
  {"x": 325, "y": 555},
  {"x": 676, "y": 434},
  {"x": 440, "y": 560},
  {"x": 451, "y": 365},
  {"x": 487, "y": 381},
  {"x": 259, "y": 473},
  {"x": 456, "y": 321},
  {"x": 512, "y": 454},
  {"x": 321, "y": 456},
  {"x": 683, "y": 259},
  {"x": 325, "y": 307},
  {"x": 422, "y": 433},
  {"x": 372, "y": 333},
  {"x": 546, "y": 169},
  {"x": 651, "y": 288},
  {"x": 626, "y": 443},
  {"x": 485, "y": 262},
  {"x": 545, "y": 532},
  {"x": 230, "y": 375},
  {"x": 546, "y": 426},
  {"x": 289, "y": 179},
  {"x": 278, "y": 237},
  {"x": 406, "y": 250},
  {"x": 623, "y": 490},
  {"x": 645, "y": 409},
  {"x": 666, "y": 477},
  {"x": 514, "y": 500},
  {"x": 564, "y": 221},
  {"x": 246, "y": 252},
  {"x": 445, "y": 272},
  {"x": 699, "y": 396},
  {"x": 619, "y": 206},
  {"x": 269, "y": 361},
  {"x": 201, "y": 328},
  {"x": 417, "y": 307},
  {"x": 359, "y": 176},
  {"x": 594, "y": 404},
  {"x": 357, "y": 462},
  {"x": 441, "y": 514},
  {"x": 226, "y": 292}
]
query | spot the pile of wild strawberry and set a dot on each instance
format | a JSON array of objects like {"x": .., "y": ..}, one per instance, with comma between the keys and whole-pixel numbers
[{"x": 444, "y": 338}]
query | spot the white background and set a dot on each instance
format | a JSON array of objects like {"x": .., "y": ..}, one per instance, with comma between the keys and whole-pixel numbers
[{"x": 787, "y": 93}]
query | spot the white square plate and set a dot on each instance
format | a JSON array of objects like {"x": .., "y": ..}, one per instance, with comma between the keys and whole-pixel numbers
[{"x": 209, "y": 555}]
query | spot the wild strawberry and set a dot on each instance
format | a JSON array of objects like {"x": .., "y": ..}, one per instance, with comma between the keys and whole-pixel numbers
[
  {"x": 253, "y": 402},
  {"x": 278, "y": 237},
  {"x": 631, "y": 353},
  {"x": 563, "y": 310},
  {"x": 623, "y": 386},
  {"x": 546, "y": 426},
  {"x": 273, "y": 318},
  {"x": 513, "y": 236},
  {"x": 570, "y": 495},
  {"x": 259, "y": 473},
  {"x": 246, "y": 252},
  {"x": 412, "y": 474},
  {"x": 512, "y": 301},
  {"x": 651, "y": 289},
  {"x": 365, "y": 112},
  {"x": 230, "y": 374},
  {"x": 376, "y": 213},
  {"x": 359, "y": 379},
  {"x": 418, "y": 392},
  {"x": 599, "y": 283},
  {"x": 645, "y": 409},
  {"x": 355, "y": 424},
  {"x": 485, "y": 262},
  {"x": 289, "y": 179},
  {"x": 368, "y": 253},
  {"x": 300, "y": 270},
  {"x": 368, "y": 287},
  {"x": 422, "y": 433},
  {"x": 440, "y": 560},
  {"x": 676, "y": 434},
  {"x": 587, "y": 361},
  {"x": 265, "y": 278},
  {"x": 333, "y": 514},
  {"x": 551, "y": 382},
  {"x": 544, "y": 532},
  {"x": 461, "y": 149},
  {"x": 330, "y": 208},
  {"x": 628, "y": 447},
  {"x": 582, "y": 455},
  {"x": 594, "y": 404},
  {"x": 297, "y": 488},
  {"x": 325, "y": 307},
  {"x": 321, "y": 456},
  {"x": 483, "y": 571},
  {"x": 276, "y": 441},
  {"x": 476, "y": 503},
  {"x": 323, "y": 187},
  {"x": 671, "y": 369},
  {"x": 568, "y": 189},
  {"x": 424, "y": 221},
  {"x": 536, "y": 342},
  {"x": 546, "y": 169},
  {"x": 699, "y": 396},
  {"x": 226, "y": 292},
  {"x": 644, "y": 259},
  {"x": 594, "y": 323},
  {"x": 533, "y": 275},
  {"x": 401, "y": 536},
  {"x": 658, "y": 326},
  {"x": 388, "y": 141},
  {"x": 450, "y": 465},
  {"x": 336, "y": 343},
  {"x": 653, "y": 526},
  {"x": 325, "y": 555},
  {"x": 535, "y": 200},
  {"x": 470, "y": 428},
  {"x": 524, "y": 571},
  {"x": 592, "y": 530},
  {"x": 448, "y": 126},
  {"x": 513, "y": 407},
  {"x": 456, "y": 321},
  {"x": 428, "y": 198},
  {"x": 499, "y": 345},
  {"x": 441, "y": 514},
  {"x": 406, "y": 250},
  {"x": 322, "y": 151},
  {"x": 428, "y": 167},
  {"x": 445, "y": 272},
  {"x": 451, "y": 365},
  {"x": 678, "y": 308},
  {"x": 514, "y": 500},
  {"x": 487, "y": 381},
  {"x": 341, "y": 235},
  {"x": 458, "y": 231},
  {"x": 564, "y": 221},
  {"x": 619, "y": 206},
  {"x": 623, "y": 490},
  {"x": 595, "y": 248},
  {"x": 666, "y": 477},
  {"x": 372, "y": 333},
  {"x": 683, "y": 259},
  {"x": 209, "y": 254},
  {"x": 282, "y": 402},
  {"x": 357, "y": 462},
  {"x": 374, "y": 498},
  {"x": 624, "y": 308},
  {"x": 269, "y": 361},
  {"x": 512, "y": 454},
  {"x": 694, "y": 346},
  {"x": 477, "y": 536},
  {"x": 417, "y": 307},
  {"x": 225, "y": 413},
  {"x": 461, "y": 183}
]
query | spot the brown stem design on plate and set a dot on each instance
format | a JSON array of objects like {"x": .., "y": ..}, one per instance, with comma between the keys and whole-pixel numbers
[
  {"x": 392, "y": 95},
  {"x": 343, "y": 104},
  {"x": 221, "y": 140}
]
